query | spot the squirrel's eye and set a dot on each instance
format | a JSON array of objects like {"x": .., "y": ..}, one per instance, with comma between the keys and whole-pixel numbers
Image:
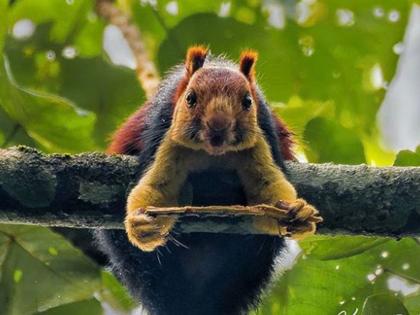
[
  {"x": 247, "y": 102},
  {"x": 191, "y": 99}
]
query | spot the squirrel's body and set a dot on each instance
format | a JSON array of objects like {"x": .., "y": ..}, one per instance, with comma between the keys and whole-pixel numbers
[{"x": 201, "y": 273}]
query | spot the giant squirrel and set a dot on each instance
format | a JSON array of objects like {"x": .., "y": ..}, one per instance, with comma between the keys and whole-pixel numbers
[{"x": 208, "y": 137}]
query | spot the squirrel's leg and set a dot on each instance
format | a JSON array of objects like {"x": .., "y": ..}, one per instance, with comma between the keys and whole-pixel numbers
[
  {"x": 158, "y": 187},
  {"x": 264, "y": 182}
]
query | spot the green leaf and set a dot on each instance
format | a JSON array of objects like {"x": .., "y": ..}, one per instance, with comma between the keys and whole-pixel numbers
[
  {"x": 173, "y": 14},
  {"x": 88, "y": 307},
  {"x": 298, "y": 112},
  {"x": 323, "y": 283},
  {"x": 3, "y": 24},
  {"x": 408, "y": 158},
  {"x": 320, "y": 247},
  {"x": 384, "y": 304},
  {"x": 412, "y": 303},
  {"x": 41, "y": 270},
  {"x": 52, "y": 121},
  {"x": 88, "y": 41},
  {"x": 156, "y": 19},
  {"x": 108, "y": 91},
  {"x": 2, "y": 139},
  {"x": 376, "y": 154},
  {"x": 317, "y": 287},
  {"x": 65, "y": 16},
  {"x": 331, "y": 142},
  {"x": 3, "y": 29},
  {"x": 72, "y": 23},
  {"x": 115, "y": 294},
  {"x": 13, "y": 133}
]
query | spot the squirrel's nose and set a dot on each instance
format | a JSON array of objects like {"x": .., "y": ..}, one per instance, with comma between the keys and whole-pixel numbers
[{"x": 219, "y": 123}]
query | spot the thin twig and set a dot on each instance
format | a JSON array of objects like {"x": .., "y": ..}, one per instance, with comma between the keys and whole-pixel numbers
[{"x": 147, "y": 73}]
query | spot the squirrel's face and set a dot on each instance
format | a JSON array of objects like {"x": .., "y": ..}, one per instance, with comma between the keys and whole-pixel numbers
[{"x": 217, "y": 109}]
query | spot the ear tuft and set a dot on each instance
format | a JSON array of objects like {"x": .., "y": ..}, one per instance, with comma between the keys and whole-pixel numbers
[
  {"x": 247, "y": 63},
  {"x": 196, "y": 55}
]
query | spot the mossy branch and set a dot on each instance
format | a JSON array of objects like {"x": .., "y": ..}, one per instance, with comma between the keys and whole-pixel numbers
[{"x": 90, "y": 189}]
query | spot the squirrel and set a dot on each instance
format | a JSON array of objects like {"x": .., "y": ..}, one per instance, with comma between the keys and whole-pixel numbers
[{"x": 207, "y": 137}]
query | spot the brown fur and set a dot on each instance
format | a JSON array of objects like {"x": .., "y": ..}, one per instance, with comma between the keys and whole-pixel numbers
[
  {"x": 247, "y": 63},
  {"x": 195, "y": 59},
  {"x": 196, "y": 56},
  {"x": 219, "y": 93},
  {"x": 218, "y": 90},
  {"x": 286, "y": 138},
  {"x": 126, "y": 139}
]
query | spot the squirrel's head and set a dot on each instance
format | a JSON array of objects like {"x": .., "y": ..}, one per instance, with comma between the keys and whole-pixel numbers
[{"x": 216, "y": 106}]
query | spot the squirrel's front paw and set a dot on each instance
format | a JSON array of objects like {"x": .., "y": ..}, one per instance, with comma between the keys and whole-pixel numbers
[
  {"x": 302, "y": 218},
  {"x": 147, "y": 232}
]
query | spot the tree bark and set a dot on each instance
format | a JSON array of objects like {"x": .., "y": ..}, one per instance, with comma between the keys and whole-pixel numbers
[{"x": 89, "y": 191}]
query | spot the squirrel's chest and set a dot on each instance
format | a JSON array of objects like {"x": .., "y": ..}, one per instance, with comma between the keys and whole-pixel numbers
[
  {"x": 211, "y": 180},
  {"x": 199, "y": 161},
  {"x": 213, "y": 186}
]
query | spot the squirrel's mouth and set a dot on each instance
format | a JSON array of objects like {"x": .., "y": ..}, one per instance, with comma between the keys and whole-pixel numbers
[
  {"x": 215, "y": 143},
  {"x": 216, "y": 140}
]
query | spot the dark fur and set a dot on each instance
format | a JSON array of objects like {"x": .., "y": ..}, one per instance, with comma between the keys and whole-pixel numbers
[{"x": 214, "y": 273}]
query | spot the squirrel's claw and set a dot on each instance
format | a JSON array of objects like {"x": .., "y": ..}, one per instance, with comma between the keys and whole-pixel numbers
[
  {"x": 147, "y": 232},
  {"x": 296, "y": 219},
  {"x": 302, "y": 219}
]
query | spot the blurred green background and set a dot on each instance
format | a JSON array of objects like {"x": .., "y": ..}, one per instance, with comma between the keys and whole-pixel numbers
[{"x": 328, "y": 67}]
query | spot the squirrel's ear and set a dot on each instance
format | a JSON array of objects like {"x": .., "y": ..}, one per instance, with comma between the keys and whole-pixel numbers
[
  {"x": 196, "y": 55},
  {"x": 247, "y": 63}
]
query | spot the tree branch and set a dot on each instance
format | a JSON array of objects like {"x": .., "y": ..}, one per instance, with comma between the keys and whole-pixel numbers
[
  {"x": 90, "y": 189},
  {"x": 147, "y": 73}
]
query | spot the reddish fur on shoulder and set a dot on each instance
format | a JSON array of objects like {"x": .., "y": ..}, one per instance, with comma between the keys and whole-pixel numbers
[
  {"x": 126, "y": 140},
  {"x": 247, "y": 63},
  {"x": 196, "y": 55},
  {"x": 285, "y": 137}
]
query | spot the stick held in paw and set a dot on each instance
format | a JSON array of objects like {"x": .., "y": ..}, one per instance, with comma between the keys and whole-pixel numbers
[{"x": 241, "y": 219}]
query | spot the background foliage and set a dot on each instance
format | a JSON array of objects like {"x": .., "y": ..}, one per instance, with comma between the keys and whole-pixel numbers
[{"x": 324, "y": 66}]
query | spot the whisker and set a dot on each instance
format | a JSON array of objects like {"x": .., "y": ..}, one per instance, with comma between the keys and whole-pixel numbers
[
  {"x": 178, "y": 243},
  {"x": 168, "y": 249},
  {"x": 158, "y": 253}
]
